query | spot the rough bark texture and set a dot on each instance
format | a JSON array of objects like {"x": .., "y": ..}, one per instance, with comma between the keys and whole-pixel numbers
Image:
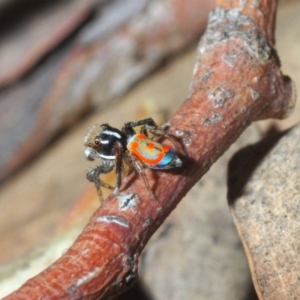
[{"x": 236, "y": 81}]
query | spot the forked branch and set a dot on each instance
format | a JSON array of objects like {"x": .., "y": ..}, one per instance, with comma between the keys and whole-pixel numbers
[{"x": 236, "y": 81}]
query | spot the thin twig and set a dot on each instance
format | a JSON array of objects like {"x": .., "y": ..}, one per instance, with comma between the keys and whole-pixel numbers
[{"x": 236, "y": 81}]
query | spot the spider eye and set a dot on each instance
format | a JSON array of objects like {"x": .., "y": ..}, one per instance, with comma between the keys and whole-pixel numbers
[{"x": 97, "y": 142}]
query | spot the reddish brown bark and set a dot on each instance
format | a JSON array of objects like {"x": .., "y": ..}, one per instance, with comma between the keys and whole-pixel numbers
[{"x": 236, "y": 81}]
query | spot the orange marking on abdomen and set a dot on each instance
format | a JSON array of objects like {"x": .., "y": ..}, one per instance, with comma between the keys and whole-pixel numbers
[
  {"x": 166, "y": 148},
  {"x": 150, "y": 145},
  {"x": 134, "y": 148},
  {"x": 141, "y": 136}
]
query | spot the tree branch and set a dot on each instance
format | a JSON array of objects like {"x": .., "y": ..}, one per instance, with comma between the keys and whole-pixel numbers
[{"x": 236, "y": 81}]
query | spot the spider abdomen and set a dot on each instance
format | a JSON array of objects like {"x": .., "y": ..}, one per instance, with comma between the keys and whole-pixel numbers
[{"x": 153, "y": 154}]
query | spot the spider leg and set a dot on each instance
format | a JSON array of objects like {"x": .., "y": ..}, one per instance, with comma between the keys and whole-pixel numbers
[
  {"x": 148, "y": 125},
  {"x": 129, "y": 127},
  {"x": 148, "y": 121},
  {"x": 93, "y": 176},
  {"x": 160, "y": 132},
  {"x": 140, "y": 169},
  {"x": 119, "y": 165}
]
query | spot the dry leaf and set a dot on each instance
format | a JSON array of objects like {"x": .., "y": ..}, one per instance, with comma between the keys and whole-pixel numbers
[{"x": 264, "y": 193}]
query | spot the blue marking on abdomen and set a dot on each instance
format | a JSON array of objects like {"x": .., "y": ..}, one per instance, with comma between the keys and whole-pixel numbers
[{"x": 167, "y": 158}]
